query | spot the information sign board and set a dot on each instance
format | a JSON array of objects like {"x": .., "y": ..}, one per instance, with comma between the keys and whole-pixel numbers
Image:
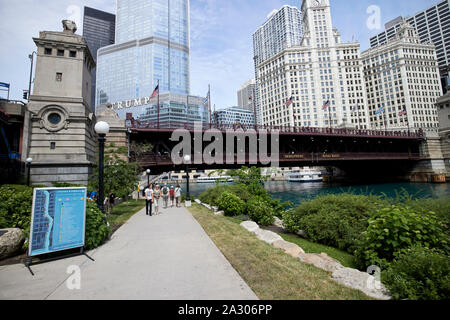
[{"x": 58, "y": 220}]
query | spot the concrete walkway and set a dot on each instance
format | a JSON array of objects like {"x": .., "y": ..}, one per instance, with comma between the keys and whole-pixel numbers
[{"x": 165, "y": 257}]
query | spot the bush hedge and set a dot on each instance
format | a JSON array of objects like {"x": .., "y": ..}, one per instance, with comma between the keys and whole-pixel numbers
[
  {"x": 212, "y": 195},
  {"x": 392, "y": 231},
  {"x": 333, "y": 220},
  {"x": 15, "y": 210},
  {"x": 419, "y": 274},
  {"x": 260, "y": 211},
  {"x": 231, "y": 204},
  {"x": 97, "y": 230}
]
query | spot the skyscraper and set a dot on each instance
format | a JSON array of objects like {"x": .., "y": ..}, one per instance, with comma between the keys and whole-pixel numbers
[
  {"x": 99, "y": 29},
  {"x": 402, "y": 80},
  {"x": 432, "y": 26},
  {"x": 317, "y": 83},
  {"x": 283, "y": 29},
  {"x": 152, "y": 47},
  {"x": 246, "y": 95}
]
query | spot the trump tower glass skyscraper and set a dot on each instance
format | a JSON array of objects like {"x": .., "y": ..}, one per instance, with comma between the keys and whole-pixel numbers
[{"x": 152, "y": 46}]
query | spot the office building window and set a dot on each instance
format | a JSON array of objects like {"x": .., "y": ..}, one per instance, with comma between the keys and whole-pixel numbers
[{"x": 58, "y": 76}]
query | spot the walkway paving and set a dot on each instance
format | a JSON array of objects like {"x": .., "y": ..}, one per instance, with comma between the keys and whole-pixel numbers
[{"x": 165, "y": 257}]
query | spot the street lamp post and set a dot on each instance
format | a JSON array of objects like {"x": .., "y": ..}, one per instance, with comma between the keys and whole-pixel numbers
[
  {"x": 102, "y": 129},
  {"x": 29, "y": 161},
  {"x": 148, "y": 177},
  {"x": 187, "y": 160},
  {"x": 31, "y": 56}
]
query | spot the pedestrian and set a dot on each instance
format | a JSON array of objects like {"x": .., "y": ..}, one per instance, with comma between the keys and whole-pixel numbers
[
  {"x": 178, "y": 195},
  {"x": 156, "y": 197},
  {"x": 165, "y": 195},
  {"x": 172, "y": 196},
  {"x": 112, "y": 199},
  {"x": 148, "y": 200}
]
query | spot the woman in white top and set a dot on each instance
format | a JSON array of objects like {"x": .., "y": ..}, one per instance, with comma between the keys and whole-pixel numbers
[
  {"x": 178, "y": 196},
  {"x": 156, "y": 197},
  {"x": 149, "y": 200}
]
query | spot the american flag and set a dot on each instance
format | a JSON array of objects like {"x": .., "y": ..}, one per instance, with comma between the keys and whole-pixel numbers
[
  {"x": 402, "y": 113},
  {"x": 155, "y": 92},
  {"x": 207, "y": 98},
  {"x": 326, "y": 105},
  {"x": 290, "y": 101},
  {"x": 381, "y": 110}
]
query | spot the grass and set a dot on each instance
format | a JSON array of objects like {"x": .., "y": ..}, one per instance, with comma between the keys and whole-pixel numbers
[
  {"x": 123, "y": 212},
  {"x": 270, "y": 273},
  {"x": 346, "y": 259}
]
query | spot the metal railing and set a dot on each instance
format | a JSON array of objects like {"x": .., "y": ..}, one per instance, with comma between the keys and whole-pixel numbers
[{"x": 170, "y": 126}]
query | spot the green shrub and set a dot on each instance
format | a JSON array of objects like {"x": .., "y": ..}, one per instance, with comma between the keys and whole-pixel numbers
[
  {"x": 97, "y": 230},
  {"x": 212, "y": 195},
  {"x": 439, "y": 206},
  {"x": 66, "y": 185},
  {"x": 394, "y": 230},
  {"x": 260, "y": 211},
  {"x": 3, "y": 215},
  {"x": 231, "y": 204},
  {"x": 333, "y": 220},
  {"x": 16, "y": 206},
  {"x": 419, "y": 274}
]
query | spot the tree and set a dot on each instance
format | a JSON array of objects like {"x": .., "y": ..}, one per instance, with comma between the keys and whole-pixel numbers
[
  {"x": 138, "y": 149},
  {"x": 120, "y": 177},
  {"x": 219, "y": 173}
]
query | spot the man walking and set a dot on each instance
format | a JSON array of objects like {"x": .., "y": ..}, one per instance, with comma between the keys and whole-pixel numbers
[
  {"x": 178, "y": 195},
  {"x": 165, "y": 195},
  {"x": 148, "y": 200}
]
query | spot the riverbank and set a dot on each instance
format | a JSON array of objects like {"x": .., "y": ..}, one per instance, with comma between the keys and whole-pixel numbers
[
  {"x": 387, "y": 230},
  {"x": 269, "y": 272}
]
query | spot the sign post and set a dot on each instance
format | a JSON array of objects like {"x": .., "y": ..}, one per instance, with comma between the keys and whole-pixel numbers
[{"x": 58, "y": 222}]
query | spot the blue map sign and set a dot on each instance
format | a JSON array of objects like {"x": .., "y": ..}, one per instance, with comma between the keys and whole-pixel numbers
[{"x": 58, "y": 220}]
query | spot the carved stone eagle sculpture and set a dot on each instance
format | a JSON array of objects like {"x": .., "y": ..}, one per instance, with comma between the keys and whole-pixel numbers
[{"x": 69, "y": 25}]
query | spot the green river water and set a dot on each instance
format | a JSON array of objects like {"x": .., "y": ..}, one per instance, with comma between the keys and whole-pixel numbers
[{"x": 300, "y": 192}]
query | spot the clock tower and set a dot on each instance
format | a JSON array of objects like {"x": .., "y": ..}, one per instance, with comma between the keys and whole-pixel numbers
[{"x": 317, "y": 22}]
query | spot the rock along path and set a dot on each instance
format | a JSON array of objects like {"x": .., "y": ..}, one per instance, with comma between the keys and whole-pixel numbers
[{"x": 165, "y": 257}]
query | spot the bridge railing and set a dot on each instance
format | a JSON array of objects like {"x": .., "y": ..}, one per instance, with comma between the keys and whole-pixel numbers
[
  {"x": 170, "y": 126},
  {"x": 150, "y": 159}
]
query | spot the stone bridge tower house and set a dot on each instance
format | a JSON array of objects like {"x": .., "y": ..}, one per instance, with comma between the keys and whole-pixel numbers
[{"x": 62, "y": 140}]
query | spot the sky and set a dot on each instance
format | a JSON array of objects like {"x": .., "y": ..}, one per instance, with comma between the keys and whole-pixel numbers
[{"x": 221, "y": 35}]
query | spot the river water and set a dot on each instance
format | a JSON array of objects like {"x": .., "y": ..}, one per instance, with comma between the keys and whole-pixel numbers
[{"x": 301, "y": 192}]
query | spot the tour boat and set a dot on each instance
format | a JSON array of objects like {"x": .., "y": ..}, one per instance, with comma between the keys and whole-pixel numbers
[
  {"x": 305, "y": 175},
  {"x": 215, "y": 179}
]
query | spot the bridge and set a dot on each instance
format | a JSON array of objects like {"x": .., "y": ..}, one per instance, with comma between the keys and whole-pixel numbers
[{"x": 368, "y": 152}]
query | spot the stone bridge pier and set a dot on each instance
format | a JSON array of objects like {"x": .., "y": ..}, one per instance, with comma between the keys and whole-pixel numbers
[{"x": 435, "y": 164}]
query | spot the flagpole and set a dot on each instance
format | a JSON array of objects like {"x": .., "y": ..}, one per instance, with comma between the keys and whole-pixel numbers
[
  {"x": 357, "y": 115},
  {"x": 157, "y": 107},
  {"x": 407, "y": 122},
  {"x": 214, "y": 113},
  {"x": 329, "y": 114},
  {"x": 254, "y": 108},
  {"x": 209, "y": 103}
]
